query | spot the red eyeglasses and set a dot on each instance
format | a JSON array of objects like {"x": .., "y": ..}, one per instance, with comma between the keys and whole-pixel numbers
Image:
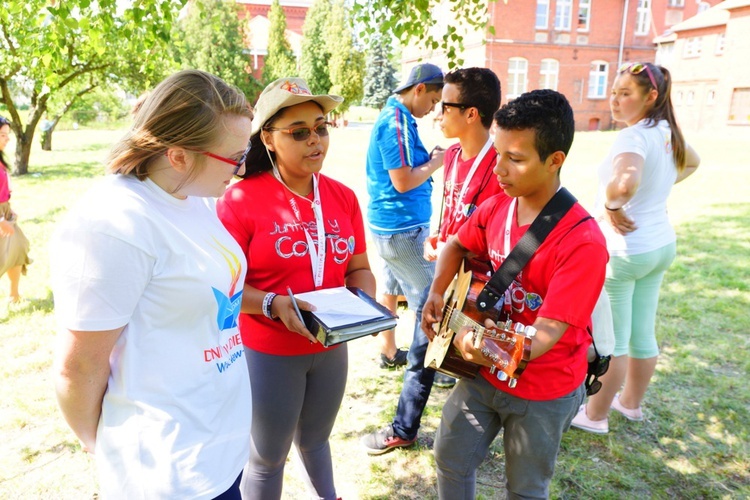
[
  {"x": 637, "y": 68},
  {"x": 237, "y": 163}
]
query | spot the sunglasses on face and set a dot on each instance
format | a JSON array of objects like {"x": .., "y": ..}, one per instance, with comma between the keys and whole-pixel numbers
[
  {"x": 303, "y": 132},
  {"x": 458, "y": 105},
  {"x": 237, "y": 163},
  {"x": 638, "y": 68}
]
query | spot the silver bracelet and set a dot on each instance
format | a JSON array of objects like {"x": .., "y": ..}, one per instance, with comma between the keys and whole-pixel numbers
[{"x": 266, "y": 307}]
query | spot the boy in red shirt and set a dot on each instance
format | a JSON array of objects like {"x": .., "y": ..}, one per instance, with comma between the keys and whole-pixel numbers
[{"x": 557, "y": 289}]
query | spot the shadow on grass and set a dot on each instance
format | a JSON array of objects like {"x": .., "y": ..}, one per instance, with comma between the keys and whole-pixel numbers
[
  {"x": 64, "y": 171},
  {"x": 694, "y": 441}
]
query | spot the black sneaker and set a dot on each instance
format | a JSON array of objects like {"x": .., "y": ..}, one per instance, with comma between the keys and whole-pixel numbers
[
  {"x": 444, "y": 381},
  {"x": 384, "y": 440},
  {"x": 399, "y": 359}
]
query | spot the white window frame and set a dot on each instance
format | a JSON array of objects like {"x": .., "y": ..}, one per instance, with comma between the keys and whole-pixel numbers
[
  {"x": 563, "y": 15},
  {"x": 584, "y": 6},
  {"x": 676, "y": 3},
  {"x": 690, "y": 98},
  {"x": 542, "y": 4},
  {"x": 643, "y": 17},
  {"x": 721, "y": 42},
  {"x": 710, "y": 97},
  {"x": 549, "y": 74},
  {"x": 518, "y": 69},
  {"x": 692, "y": 47},
  {"x": 598, "y": 76}
]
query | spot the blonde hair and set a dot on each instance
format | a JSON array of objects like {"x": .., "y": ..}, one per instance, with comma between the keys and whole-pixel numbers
[{"x": 185, "y": 110}]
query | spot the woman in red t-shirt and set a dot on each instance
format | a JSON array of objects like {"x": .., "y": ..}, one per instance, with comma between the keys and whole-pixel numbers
[{"x": 302, "y": 230}]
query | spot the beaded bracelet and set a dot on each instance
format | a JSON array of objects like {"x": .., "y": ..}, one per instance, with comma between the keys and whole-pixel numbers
[{"x": 266, "y": 307}]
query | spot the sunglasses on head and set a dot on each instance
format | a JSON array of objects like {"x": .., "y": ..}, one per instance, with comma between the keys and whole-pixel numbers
[
  {"x": 303, "y": 132},
  {"x": 637, "y": 68}
]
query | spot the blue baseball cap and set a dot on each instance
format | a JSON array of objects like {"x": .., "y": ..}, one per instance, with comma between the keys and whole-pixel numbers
[{"x": 422, "y": 73}]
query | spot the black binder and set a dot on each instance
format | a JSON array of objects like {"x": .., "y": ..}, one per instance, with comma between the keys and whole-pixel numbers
[{"x": 331, "y": 335}]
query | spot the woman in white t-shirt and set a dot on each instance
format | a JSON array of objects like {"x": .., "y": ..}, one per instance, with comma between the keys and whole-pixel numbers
[
  {"x": 646, "y": 160},
  {"x": 150, "y": 370}
]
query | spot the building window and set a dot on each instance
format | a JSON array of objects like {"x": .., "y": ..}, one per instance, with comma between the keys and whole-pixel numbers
[
  {"x": 703, "y": 6},
  {"x": 721, "y": 42},
  {"x": 598, "y": 80},
  {"x": 584, "y": 15},
  {"x": 643, "y": 17},
  {"x": 690, "y": 98},
  {"x": 677, "y": 98},
  {"x": 548, "y": 73},
  {"x": 739, "y": 110},
  {"x": 563, "y": 13},
  {"x": 542, "y": 14},
  {"x": 676, "y": 3},
  {"x": 710, "y": 98},
  {"x": 517, "y": 70},
  {"x": 692, "y": 47}
]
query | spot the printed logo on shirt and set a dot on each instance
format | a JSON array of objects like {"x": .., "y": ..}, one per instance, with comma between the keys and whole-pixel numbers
[
  {"x": 291, "y": 241},
  {"x": 225, "y": 355},
  {"x": 516, "y": 298},
  {"x": 228, "y": 304}
]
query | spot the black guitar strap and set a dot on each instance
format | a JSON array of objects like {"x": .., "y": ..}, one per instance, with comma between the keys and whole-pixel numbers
[{"x": 553, "y": 211}]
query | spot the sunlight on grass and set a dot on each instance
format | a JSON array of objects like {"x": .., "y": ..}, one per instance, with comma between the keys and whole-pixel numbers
[{"x": 694, "y": 442}]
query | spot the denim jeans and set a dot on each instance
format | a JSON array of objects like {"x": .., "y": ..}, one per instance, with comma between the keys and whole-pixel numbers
[{"x": 402, "y": 253}]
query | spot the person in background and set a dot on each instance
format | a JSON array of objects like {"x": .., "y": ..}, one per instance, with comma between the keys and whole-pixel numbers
[
  {"x": 147, "y": 282},
  {"x": 561, "y": 284},
  {"x": 14, "y": 247},
  {"x": 307, "y": 233},
  {"x": 471, "y": 96},
  {"x": 647, "y": 159},
  {"x": 399, "y": 183}
]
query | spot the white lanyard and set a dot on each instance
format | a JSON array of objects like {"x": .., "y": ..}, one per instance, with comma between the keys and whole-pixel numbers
[
  {"x": 469, "y": 176},
  {"x": 317, "y": 255},
  {"x": 508, "y": 225}
]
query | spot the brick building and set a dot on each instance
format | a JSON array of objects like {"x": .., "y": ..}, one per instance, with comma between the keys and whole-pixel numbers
[
  {"x": 707, "y": 56},
  {"x": 573, "y": 46},
  {"x": 256, "y": 13}
]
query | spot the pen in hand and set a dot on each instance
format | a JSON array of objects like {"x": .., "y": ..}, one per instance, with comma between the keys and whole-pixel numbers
[{"x": 294, "y": 303}]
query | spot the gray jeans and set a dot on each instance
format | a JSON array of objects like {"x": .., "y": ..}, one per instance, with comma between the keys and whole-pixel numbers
[
  {"x": 295, "y": 400},
  {"x": 475, "y": 413}
]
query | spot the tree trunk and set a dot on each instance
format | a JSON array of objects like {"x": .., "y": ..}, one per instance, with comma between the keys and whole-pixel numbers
[
  {"x": 23, "y": 152},
  {"x": 47, "y": 140}
]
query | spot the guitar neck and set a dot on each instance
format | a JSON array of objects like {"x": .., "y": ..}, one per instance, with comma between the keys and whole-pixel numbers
[{"x": 458, "y": 320}]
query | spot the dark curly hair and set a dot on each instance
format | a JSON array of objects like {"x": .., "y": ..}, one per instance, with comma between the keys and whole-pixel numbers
[{"x": 547, "y": 112}]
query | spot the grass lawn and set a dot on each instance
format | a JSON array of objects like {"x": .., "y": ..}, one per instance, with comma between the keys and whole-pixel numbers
[{"x": 694, "y": 442}]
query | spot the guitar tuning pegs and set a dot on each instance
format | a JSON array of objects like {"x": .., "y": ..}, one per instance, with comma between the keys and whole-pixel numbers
[
  {"x": 502, "y": 376},
  {"x": 508, "y": 324},
  {"x": 519, "y": 328},
  {"x": 529, "y": 331},
  {"x": 512, "y": 383},
  {"x": 493, "y": 369}
]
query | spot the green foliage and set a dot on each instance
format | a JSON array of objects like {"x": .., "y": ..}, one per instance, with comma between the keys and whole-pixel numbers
[
  {"x": 315, "y": 48},
  {"x": 417, "y": 22},
  {"x": 49, "y": 46},
  {"x": 347, "y": 62},
  {"x": 211, "y": 38},
  {"x": 280, "y": 61},
  {"x": 380, "y": 75}
]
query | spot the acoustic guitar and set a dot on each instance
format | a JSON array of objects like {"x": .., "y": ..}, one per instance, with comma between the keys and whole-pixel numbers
[{"x": 508, "y": 347}]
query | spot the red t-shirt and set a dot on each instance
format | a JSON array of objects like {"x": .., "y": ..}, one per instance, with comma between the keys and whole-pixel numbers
[
  {"x": 561, "y": 281},
  {"x": 257, "y": 212},
  {"x": 483, "y": 185}
]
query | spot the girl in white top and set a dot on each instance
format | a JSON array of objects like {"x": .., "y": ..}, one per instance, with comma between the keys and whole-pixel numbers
[
  {"x": 150, "y": 369},
  {"x": 647, "y": 159}
]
